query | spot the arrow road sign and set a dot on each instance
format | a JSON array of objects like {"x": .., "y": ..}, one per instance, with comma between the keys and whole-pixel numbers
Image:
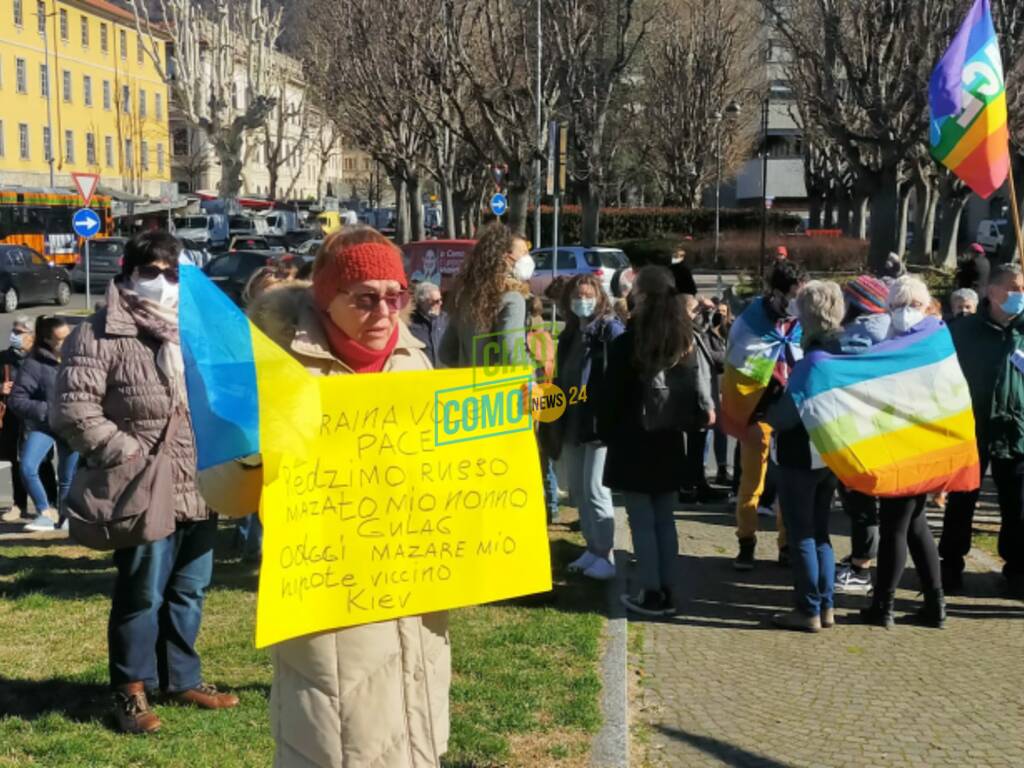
[
  {"x": 86, "y": 223},
  {"x": 86, "y": 183},
  {"x": 499, "y": 204}
]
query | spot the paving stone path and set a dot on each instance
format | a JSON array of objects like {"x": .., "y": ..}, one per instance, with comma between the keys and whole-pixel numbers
[{"x": 721, "y": 687}]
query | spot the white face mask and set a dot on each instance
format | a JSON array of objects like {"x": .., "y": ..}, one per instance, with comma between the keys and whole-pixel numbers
[
  {"x": 158, "y": 290},
  {"x": 583, "y": 308},
  {"x": 523, "y": 269},
  {"x": 905, "y": 318}
]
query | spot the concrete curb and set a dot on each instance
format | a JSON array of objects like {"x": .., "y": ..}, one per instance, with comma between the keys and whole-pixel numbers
[{"x": 611, "y": 745}]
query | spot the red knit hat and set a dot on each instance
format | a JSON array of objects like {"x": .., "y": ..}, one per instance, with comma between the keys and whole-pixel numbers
[{"x": 352, "y": 264}]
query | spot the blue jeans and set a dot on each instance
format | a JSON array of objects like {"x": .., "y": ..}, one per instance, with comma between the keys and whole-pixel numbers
[
  {"x": 249, "y": 536},
  {"x": 585, "y": 464},
  {"x": 652, "y": 524},
  {"x": 34, "y": 450},
  {"x": 805, "y": 496},
  {"x": 157, "y": 609},
  {"x": 547, "y": 466}
]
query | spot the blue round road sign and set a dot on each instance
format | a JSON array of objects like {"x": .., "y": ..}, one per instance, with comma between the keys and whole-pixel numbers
[
  {"x": 86, "y": 223},
  {"x": 499, "y": 204}
]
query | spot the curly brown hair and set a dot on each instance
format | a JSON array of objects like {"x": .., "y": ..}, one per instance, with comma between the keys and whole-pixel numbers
[{"x": 476, "y": 294}]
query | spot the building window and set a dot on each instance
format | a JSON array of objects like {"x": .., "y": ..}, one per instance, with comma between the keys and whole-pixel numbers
[
  {"x": 159, "y": 153},
  {"x": 159, "y": 103},
  {"x": 108, "y": 151},
  {"x": 180, "y": 145},
  {"x": 21, "y": 80},
  {"x": 41, "y": 17},
  {"x": 90, "y": 148},
  {"x": 124, "y": 45},
  {"x": 85, "y": 31},
  {"x": 142, "y": 102},
  {"x": 69, "y": 146},
  {"x": 47, "y": 145},
  {"x": 128, "y": 158},
  {"x": 104, "y": 39},
  {"x": 19, "y": 14},
  {"x": 63, "y": 25},
  {"x": 126, "y": 99},
  {"x": 87, "y": 90},
  {"x": 67, "y": 86},
  {"x": 23, "y": 141},
  {"x": 144, "y": 153},
  {"x": 140, "y": 49},
  {"x": 44, "y": 80},
  {"x": 106, "y": 95}
]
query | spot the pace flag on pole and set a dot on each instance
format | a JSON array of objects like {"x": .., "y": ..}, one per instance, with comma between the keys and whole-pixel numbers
[{"x": 967, "y": 97}]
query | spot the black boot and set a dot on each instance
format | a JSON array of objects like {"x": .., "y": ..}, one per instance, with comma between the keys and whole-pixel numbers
[
  {"x": 933, "y": 612},
  {"x": 879, "y": 612}
]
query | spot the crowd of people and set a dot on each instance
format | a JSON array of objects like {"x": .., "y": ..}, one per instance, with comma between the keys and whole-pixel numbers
[{"x": 651, "y": 365}]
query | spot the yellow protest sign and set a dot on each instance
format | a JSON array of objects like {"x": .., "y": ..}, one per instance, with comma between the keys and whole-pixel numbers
[{"x": 419, "y": 492}]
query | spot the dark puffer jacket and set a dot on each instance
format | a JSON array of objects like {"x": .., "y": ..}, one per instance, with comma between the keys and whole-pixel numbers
[
  {"x": 33, "y": 389},
  {"x": 113, "y": 403}
]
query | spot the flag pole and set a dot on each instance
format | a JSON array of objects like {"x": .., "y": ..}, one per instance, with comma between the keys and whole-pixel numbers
[{"x": 1015, "y": 212}]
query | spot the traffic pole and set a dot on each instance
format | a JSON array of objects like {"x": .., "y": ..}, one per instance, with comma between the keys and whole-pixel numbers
[{"x": 88, "y": 277}]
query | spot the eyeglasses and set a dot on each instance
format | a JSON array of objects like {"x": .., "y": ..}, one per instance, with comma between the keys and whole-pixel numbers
[
  {"x": 435, "y": 302},
  {"x": 150, "y": 272},
  {"x": 369, "y": 301}
]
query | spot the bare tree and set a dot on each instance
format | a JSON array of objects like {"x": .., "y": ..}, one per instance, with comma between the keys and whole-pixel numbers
[
  {"x": 694, "y": 65},
  {"x": 594, "y": 41},
  {"x": 202, "y": 65},
  {"x": 284, "y": 131},
  {"x": 325, "y": 146}
]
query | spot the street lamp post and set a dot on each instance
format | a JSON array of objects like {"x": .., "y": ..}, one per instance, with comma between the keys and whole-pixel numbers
[{"x": 764, "y": 183}]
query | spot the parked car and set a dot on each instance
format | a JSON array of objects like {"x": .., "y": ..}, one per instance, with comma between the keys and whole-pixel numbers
[
  {"x": 991, "y": 233},
  {"x": 27, "y": 278},
  {"x": 576, "y": 260},
  {"x": 308, "y": 248},
  {"x": 258, "y": 243},
  {"x": 209, "y": 229},
  {"x": 231, "y": 271},
  {"x": 105, "y": 259}
]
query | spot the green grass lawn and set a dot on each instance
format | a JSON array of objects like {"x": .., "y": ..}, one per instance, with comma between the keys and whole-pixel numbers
[{"x": 526, "y": 688}]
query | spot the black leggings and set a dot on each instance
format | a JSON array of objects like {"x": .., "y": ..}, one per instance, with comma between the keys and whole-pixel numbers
[{"x": 904, "y": 525}]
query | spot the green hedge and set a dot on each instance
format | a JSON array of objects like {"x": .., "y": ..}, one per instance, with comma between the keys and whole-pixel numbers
[{"x": 633, "y": 223}]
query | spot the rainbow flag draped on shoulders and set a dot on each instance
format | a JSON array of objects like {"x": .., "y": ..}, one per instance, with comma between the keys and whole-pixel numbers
[
  {"x": 967, "y": 98},
  {"x": 757, "y": 351},
  {"x": 894, "y": 421}
]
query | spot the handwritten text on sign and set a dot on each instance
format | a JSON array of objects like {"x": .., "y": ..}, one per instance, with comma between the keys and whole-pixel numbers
[{"x": 380, "y": 521}]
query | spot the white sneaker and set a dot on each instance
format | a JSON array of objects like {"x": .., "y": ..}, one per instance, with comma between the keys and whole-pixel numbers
[
  {"x": 583, "y": 563},
  {"x": 65, "y": 526},
  {"x": 602, "y": 570},
  {"x": 41, "y": 524}
]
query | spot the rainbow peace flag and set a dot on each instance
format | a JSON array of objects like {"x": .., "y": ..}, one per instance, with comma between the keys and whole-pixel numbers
[
  {"x": 240, "y": 383},
  {"x": 757, "y": 351},
  {"x": 967, "y": 97},
  {"x": 893, "y": 421}
]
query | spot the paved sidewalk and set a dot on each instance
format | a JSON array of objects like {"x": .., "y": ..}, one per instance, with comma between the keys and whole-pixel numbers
[{"x": 720, "y": 687}]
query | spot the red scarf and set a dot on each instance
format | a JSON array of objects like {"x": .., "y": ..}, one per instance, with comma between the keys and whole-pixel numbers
[{"x": 356, "y": 356}]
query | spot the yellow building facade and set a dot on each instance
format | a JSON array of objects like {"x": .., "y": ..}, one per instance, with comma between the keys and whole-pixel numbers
[{"x": 88, "y": 93}]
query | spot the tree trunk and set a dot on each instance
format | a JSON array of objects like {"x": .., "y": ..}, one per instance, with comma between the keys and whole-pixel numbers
[
  {"x": 815, "y": 212},
  {"x": 845, "y": 216},
  {"x": 904, "y": 220},
  {"x": 590, "y": 199},
  {"x": 949, "y": 231},
  {"x": 401, "y": 209},
  {"x": 448, "y": 205},
  {"x": 1008, "y": 251},
  {"x": 518, "y": 207},
  {"x": 920, "y": 252},
  {"x": 884, "y": 211},
  {"x": 829, "y": 216},
  {"x": 859, "y": 218},
  {"x": 414, "y": 187}
]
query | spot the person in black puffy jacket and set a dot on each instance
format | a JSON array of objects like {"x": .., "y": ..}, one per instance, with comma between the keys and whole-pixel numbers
[{"x": 30, "y": 401}]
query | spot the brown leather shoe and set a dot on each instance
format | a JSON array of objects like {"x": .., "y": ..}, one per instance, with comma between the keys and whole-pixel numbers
[
  {"x": 205, "y": 696},
  {"x": 132, "y": 712},
  {"x": 828, "y": 618}
]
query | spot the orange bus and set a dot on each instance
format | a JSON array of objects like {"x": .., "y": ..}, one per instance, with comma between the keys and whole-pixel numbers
[{"x": 41, "y": 220}]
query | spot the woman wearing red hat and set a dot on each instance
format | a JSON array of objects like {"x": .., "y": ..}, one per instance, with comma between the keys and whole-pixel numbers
[{"x": 377, "y": 694}]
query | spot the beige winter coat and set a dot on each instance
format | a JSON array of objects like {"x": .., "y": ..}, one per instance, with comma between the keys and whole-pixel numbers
[
  {"x": 374, "y": 696},
  {"x": 113, "y": 403}
]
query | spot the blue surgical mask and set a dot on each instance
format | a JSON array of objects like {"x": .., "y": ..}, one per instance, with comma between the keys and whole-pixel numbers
[
  {"x": 16, "y": 341},
  {"x": 1014, "y": 303},
  {"x": 584, "y": 308}
]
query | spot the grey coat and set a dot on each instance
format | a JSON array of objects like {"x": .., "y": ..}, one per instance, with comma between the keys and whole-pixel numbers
[
  {"x": 464, "y": 345},
  {"x": 112, "y": 402}
]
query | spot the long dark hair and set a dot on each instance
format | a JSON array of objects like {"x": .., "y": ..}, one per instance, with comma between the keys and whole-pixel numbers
[
  {"x": 663, "y": 332},
  {"x": 478, "y": 287},
  {"x": 45, "y": 327}
]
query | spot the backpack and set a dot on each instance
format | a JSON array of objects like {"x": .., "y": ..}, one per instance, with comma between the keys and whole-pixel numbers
[{"x": 669, "y": 402}]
